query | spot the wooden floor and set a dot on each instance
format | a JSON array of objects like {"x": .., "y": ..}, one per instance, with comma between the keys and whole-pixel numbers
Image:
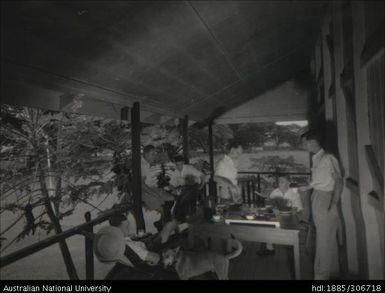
[{"x": 250, "y": 266}]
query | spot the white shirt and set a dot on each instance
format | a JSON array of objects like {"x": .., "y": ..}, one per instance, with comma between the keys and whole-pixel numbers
[
  {"x": 138, "y": 247},
  {"x": 292, "y": 197},
  {"x": 226, "y": 168},
  {"x": 150, "y": 173},
  {"x": 177, "y": 178},
  {"x": 325, "y": 171}
]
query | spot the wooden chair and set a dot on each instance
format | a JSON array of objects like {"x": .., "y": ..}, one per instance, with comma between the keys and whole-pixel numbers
[{"x": 249, "y": 192}]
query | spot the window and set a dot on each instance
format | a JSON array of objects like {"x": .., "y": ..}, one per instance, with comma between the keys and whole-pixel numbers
[{"x": 376, "y": 97}]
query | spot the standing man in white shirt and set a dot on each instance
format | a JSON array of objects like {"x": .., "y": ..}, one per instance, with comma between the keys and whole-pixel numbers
[
  {"x": 226, "y": 173},
  {"x": 327, "y": 186}
]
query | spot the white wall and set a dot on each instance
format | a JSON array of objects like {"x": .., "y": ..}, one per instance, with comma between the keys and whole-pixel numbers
[
  {"x": 342, "y": 127},
  {"x": 373, "y": 218},
  {"x": 285, "y": 102}
]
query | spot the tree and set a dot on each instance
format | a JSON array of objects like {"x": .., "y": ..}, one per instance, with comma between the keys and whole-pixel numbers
[
  {"x": 199, "y": 137},
  {"x": 277, "y": 164},
  {"x": 249, "y": 134},
  {"x": 54, "y": 151},
  {"x": 255, "y": 134}
]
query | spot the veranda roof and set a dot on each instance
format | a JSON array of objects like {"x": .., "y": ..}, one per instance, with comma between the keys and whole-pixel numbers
[{"x": 200, "y": 58}]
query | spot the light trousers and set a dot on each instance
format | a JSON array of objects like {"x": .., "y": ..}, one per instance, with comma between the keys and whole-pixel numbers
[{"x": 326, "y": 263}]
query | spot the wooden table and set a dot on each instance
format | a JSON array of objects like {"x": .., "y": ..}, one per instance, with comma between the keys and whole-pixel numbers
[{"x": 249, "y": 233}]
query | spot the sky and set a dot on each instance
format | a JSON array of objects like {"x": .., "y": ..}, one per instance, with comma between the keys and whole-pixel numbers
[{"x": 301, "y": 123}]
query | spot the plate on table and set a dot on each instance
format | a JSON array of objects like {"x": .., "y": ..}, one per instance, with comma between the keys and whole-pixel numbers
[
  {"x": 250, "y": 217},
  {"x": 286, "y": 213},
  {"x": 216, "y": 218}
]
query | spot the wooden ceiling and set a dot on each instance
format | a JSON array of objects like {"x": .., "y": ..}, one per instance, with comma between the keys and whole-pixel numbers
[{"x": 199, "y": 58}]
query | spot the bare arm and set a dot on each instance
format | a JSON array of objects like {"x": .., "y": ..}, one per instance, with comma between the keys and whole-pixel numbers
[{"x": 152, "y": 258}]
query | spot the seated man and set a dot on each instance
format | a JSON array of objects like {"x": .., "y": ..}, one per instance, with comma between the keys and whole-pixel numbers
[
  {"x": 289, "y": 195},
  {"x": 186, "y": 202},
  {"x": 186, "y": 182},
  {"x": 112, "y": 244},
  {"x": 178, "y": 176},
  {"x": 154, "y": 198},
  {"x": 284, "y": 198}
]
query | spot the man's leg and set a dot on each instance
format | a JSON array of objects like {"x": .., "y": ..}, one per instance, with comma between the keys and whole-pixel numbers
[
  {"x": 318, "y": 239},
  {"x": 167, "y": 211},
  {"x": 326, "y": 260}
]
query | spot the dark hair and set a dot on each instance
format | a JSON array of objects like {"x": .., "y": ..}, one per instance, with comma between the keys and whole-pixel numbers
[
  {"x": 148, "y": 148},
  {"x": 117, "y": 219},
  {"x": 178, "y": 158},
  {"x": 286, "y": 176},
  {"x": 313, "y": 135},
  {"x": 232, "y": 145}
]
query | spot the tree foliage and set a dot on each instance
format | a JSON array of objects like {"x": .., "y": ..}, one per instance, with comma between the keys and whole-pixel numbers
[
  {"x": 256, "y": 134},
  {"x": 199, "y": 137},
  {"x": 277, "y": 164},
  {"x": 71, "y": 152}
]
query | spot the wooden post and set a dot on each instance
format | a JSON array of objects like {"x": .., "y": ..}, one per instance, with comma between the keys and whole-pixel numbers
[
  {"x": 136, "y": 167},
  {"x": 89, "y": 250},
  {"x": 212, "y": 183},
  {"x": 185, "y": 139}
]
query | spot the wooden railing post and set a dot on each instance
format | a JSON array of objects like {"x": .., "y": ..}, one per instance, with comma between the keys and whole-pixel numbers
[
  {"x": 212, "y": 183},
  {"x": 254, "y": 196},
  {"x": 248, "y": 192},
  {"x": 259, "y": 183},
  {"x": 26, "y": 251},
  {"x": 184, "y": 124},
  {"x": 89, "y": 249},
  {"x": 136, "y": 170}
]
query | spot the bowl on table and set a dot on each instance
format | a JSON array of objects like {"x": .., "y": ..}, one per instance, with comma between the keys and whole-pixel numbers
[
  {"x": 250, "y": 216},
  {"x": 216, "y": 218}
]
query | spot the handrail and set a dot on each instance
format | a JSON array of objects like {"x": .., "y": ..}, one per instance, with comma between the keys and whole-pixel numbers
[
  {"x": 251, "y": 187},
  {"x": 26, "y": 251},
  {"x": 275, "y": 173}
]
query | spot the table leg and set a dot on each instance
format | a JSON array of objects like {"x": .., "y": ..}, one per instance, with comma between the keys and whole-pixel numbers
[
  {"x": 297, "y": 264},
  {"x": 190, "y": 239}
]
